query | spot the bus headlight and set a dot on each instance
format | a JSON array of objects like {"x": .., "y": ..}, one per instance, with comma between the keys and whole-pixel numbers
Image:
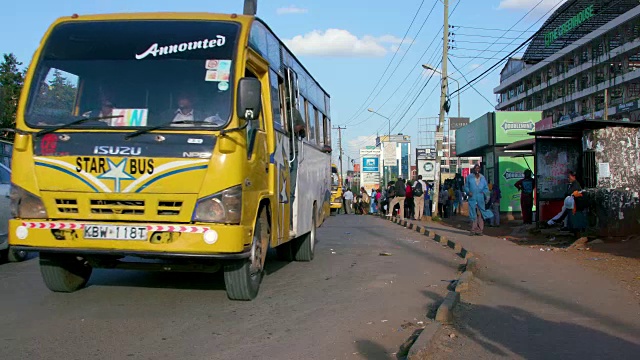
[
  {"x": 223, "y": 207},
  {"x": 25, "y": 205}
]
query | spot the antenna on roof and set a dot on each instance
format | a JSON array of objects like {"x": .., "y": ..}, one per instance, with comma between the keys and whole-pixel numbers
[{"x": 250, "y": 7}]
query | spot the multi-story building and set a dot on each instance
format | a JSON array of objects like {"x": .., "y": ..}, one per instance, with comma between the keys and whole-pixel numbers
[
  {"x": 395, "y": 152},
  {"x": 450, "y": 163},
  {"x": 583, "y": 64}
]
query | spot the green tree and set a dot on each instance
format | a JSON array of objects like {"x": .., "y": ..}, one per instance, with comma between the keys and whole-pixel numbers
[{"x": 11, "y": 81}]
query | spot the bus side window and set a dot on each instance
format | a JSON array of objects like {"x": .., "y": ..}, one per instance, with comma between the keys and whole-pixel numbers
[
  {"x": 277, "y": 101},
  {"x": 253, "y": 126}
]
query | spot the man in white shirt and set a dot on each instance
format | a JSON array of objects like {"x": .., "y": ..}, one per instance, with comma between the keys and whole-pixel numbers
[
  {"x": 348, "y": 200},
  {"x": 187, "y": 113}
]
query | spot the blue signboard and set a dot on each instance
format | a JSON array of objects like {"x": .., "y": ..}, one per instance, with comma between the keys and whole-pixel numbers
[{"x": 370, "y": 164}]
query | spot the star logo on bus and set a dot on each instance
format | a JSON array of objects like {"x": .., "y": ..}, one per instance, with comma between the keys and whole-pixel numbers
[{"x": 117, "y": 173}]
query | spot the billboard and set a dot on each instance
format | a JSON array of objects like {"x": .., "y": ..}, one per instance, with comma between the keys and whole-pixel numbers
[
  {"x": 389, "y": 153},
  {"x": 512, "y": 126},
  {"x": 427, "y": 168},
  {"x": 475, "y": 135},
  {"x": 511, "y": 169},
  {"x": 356, "y": 167},
  {"x": 456, "y": 123},
  {"x": 370, "y": 164}
]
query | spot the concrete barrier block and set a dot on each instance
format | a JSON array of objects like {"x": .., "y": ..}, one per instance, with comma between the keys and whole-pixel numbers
[
  {"x": 424, "y": 340},
  {"x": 445, "y": 310},
  {"x": 464, "y": 281}
]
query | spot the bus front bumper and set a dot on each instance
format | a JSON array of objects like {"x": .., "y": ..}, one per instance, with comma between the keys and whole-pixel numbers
[{"x": 213, "y": 241}]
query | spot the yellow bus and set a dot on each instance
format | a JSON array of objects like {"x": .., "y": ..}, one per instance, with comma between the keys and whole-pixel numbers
[
  {"x": 197, "y": 140},
  {"x": 336, "y": 189}
]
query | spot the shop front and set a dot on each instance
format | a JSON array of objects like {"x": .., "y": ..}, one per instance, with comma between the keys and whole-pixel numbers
[{"x": 605, "y": 154}]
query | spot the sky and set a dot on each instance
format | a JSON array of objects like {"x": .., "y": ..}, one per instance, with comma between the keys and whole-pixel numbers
[{"x": 356, "y": 49}]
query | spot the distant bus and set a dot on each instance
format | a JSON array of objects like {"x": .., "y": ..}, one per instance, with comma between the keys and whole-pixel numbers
[{"x": 336, "y": 189}]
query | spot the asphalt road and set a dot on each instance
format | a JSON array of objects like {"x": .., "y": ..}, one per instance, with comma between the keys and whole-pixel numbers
[{"x": 348, "y": 303}]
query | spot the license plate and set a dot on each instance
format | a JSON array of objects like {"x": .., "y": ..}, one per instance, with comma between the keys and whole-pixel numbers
[{"x": 114, "y": 232}]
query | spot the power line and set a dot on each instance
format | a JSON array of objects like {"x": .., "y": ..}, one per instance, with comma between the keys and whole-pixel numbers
[
  {"x": 401, "y": 59},
  {"x": 478, "y": 42},
  {"x": 479, "y": 28},
  {"x": 492, "y": 68},
  {"x": 473, "y": 87},
  {"x": 516, "y": 49},
  {"x": 494, "y": 51},
  {"x": 364, "y": 104},
  {"x": 413, "y": 86},
  {"x": 488, "y": 36},
  {"x": 512, "y": 26}
]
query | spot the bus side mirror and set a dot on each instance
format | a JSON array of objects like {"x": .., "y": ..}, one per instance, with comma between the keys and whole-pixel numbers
[{"x": 249, "y": 99}]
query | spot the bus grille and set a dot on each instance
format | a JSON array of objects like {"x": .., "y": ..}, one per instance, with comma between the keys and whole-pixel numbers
[
  {"x": 119, "y": 207},
  {"x": 67, "y": 206},
  {"x": 169, "y": 207}
]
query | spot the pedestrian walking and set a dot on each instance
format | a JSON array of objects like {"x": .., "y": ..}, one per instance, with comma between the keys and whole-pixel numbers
[
  {"x": 348, "y": 201},
  {"x": 494, "y": 204},
  {"x": 477, "y": 189}
]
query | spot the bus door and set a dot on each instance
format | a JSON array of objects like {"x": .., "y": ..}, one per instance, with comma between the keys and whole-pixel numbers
[{"x": 296, "y": 147}]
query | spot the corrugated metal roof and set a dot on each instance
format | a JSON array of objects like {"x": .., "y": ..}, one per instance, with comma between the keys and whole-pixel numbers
[{"x": 603, "y": 12}]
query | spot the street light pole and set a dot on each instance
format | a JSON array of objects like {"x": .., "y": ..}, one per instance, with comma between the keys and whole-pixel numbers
[
  {"x": 429, "y": 67},
  {"x": 386, "y": 178},
  {"x": 443, "y": 95}
]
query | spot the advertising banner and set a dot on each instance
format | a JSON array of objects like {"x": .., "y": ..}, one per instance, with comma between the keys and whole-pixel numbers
[
  {"x": 512, "y": 126},
  {"x": 474, "y": 136},
  {"x": 427, "y": 168},
  {"x": 458, "y": 122},
  {"x": 511, "y": 169},
  {"x": 390, "y": 158},
  {"x": 370, "y": 164}
]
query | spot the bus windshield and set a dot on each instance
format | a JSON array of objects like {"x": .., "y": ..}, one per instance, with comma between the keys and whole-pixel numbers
[{"x": 135, "y": 74}]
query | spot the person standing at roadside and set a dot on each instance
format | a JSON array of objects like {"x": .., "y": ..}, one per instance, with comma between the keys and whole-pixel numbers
[
  {"x": 400, "y": 192},
  {"x": 477, "y": 188},
  {"x": 348, "y": 201},
  {"x": 526, "y": 187},
  {"x": 496, "y": 195},
  {"x": 419, "y": 189}
]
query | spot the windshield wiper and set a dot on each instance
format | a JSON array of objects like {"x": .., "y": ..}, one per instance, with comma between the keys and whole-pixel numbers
[
  {"x": 158, "y": 127},
  {"x": 75, "y": 122}
]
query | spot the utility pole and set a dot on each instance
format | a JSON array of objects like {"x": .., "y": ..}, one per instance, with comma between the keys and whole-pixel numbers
[
  {"x": 443, "y": 97},
  {"x": 340, "y": 146}
]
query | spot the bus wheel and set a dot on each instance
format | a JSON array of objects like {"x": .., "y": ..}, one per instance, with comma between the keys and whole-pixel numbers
[
  {"x": 285, "y": 251},
  {"x": 64, "y": 273},
  {"x": 242, "y": 278},
  {"x": 306, "y": 244},
  {"x": 16, "y": 255}
]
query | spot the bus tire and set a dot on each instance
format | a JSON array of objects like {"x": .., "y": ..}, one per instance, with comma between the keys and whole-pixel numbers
[
  {"x": 284, "y": 252},
  {"x": 16, "y": 255},
  {"x": 64, "y": 273},
  {"x": 306, "y": 244},
  {"x": 242, "y": 278}
]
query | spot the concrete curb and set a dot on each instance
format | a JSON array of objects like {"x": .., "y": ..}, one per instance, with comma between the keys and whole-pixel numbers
[
  {"x": 445, "y": 310},
  {"x": 444, "y": 315},
  {"x": 424, "y": 340}
]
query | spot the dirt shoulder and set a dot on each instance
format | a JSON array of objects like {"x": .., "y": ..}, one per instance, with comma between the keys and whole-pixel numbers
[{"x": 618, "y": 259}]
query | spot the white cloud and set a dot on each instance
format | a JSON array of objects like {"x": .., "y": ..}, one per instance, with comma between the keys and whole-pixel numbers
[
  {"x": 360, "y": 142},
  {"x": 527, "y": 4},
  {"x": 291, "y": 10},
  {"x": 340, "y": 43}
]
